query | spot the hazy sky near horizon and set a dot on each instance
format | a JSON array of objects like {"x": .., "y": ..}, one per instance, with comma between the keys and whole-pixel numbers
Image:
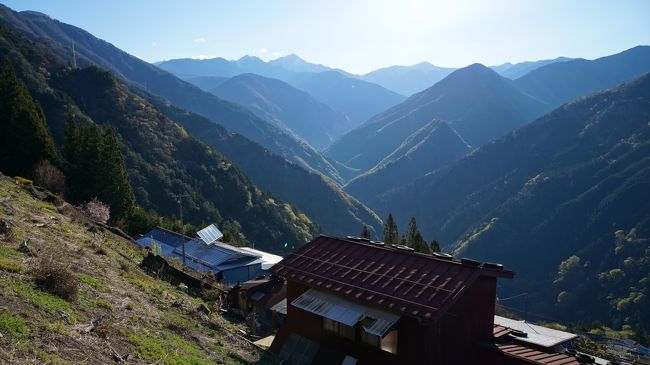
[{"x": 360, "y": 35}]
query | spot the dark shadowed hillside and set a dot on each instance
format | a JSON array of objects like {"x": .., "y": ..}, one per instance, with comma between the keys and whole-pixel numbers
[
  {"x": 576, "y": 182},
  {"x": 431, "y": 147}
]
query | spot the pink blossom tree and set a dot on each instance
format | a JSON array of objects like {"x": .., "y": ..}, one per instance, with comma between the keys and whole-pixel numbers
[{"x": 96, "y": 211}]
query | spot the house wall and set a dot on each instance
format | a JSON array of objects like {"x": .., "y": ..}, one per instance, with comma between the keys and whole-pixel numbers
[
  {"x": 468, "y": 322},
  {"x": 241, "y": 274},
  {"x": 447, "y": 341},
  {"x": 310, "y": 326}
]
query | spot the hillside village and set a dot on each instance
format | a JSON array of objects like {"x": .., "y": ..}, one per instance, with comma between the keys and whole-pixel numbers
[
  {"x": 258, "y": 210},
  {"x": 314, "y": 304}
]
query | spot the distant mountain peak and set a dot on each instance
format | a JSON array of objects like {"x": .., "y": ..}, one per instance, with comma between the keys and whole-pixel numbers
[
  {"x": 293, "y": 62},
  {"x": 290, "y": 57},
  {"x": 34, "y": 13},
  {"x": 248, "y": 58},
  {"x": 472, "y": 72}
]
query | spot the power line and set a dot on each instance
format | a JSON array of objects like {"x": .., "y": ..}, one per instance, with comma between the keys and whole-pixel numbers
[{"x": 512, "y": 297}]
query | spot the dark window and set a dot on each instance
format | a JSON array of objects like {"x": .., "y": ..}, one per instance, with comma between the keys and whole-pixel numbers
[{"x": 388, "y": 343}]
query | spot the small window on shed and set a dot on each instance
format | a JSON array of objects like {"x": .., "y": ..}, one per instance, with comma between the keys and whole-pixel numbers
[{"x": 368, "y": 338}]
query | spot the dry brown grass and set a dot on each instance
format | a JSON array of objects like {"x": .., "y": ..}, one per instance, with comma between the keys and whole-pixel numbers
[{"x": 57, "y": 279}]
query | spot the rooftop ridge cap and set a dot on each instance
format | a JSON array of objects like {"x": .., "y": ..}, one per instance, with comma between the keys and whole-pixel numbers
[
  {"x": 420, "y": 254},
  {"x": 170, "y": 231}
]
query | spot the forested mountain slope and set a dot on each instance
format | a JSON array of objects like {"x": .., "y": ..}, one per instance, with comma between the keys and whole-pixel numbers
[
  {"x": 576, "y": 182},
  {"x": 58, "y": 37},
  {"x": 162, "y": 159},
  {"x": 286, "y": 107},
  {"x": 480, "y": 104},
  {"x": 429, "y": 148},
  {"x": 321, "y": 199}
]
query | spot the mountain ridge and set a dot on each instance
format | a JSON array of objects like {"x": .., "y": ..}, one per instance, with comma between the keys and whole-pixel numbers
[
  {"x": 480, "y": 104},
  {"x": 91, "y": 50},
  {"x": 356, "y": 98},
  {"x": 286, "y": 107},
  {"x": 565, "y": 185}
]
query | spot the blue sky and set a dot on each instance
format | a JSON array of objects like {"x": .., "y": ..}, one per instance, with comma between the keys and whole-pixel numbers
[{"x": 360, "y": 35}]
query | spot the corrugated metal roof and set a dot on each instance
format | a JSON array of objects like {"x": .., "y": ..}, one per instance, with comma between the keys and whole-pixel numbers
[
  {"x": 165, "y": 249},
  {"x": 404, "y": 282},
  {"x": 536, "y": 335},
  {"x": 381, "y": 323},
  {"x": 266, "y": 292},
  {"x": 500, "y": 331},
  {"x": 346, "y": 312},
  {"x": 536, "y": 357},
  {"x": 280, "y": 307},
  {"x": 328, "y": 307},
  {"x": 268, "y": 259},
  {"x": 212, "y": 255}
]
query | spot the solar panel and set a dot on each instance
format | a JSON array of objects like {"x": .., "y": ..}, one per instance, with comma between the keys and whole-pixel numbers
[{"x": 210, "y": 234}]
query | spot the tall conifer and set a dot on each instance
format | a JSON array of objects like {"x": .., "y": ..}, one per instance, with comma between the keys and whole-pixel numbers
[
  {"x": 391, "y": 236},
  {"x": 114, "y": 186},
  {"x": 24, "y": 137}
]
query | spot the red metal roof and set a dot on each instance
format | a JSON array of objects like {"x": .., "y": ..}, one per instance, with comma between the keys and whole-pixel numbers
[
  {"x": 406, "y": 282},
  {"x": 536, "y": 357},
  {"x": 500, "y": 331},
  {"x": 273, "y": 291}
]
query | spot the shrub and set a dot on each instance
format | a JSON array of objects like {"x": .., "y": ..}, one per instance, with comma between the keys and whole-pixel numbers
[
  {"x": 96, "y": 211},
  {"x": 11, "y": 266},
  {"x": 103, "y": 303},
  {"x": 100, "y": 250},
  {"x": 57, "y": 279},
  {"x": 104, "y": 328},
  {"x": 49, "y": 177}
]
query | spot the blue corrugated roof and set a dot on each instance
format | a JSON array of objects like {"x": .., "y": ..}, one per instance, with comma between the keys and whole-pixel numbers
[
  {"x": 165, "y": 250},
  {"x": 213, "y": 255},
  {"x": 165, "y": 236},
  {"x": 239, "y": 263},
  {"x": 217, "y": 257}
]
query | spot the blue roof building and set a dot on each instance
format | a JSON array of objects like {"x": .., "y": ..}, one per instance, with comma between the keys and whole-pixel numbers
[{"x": 228, "y": 263}]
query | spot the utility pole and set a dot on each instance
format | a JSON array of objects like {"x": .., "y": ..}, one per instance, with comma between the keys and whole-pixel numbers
[{"x": 180, "y": 207}]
